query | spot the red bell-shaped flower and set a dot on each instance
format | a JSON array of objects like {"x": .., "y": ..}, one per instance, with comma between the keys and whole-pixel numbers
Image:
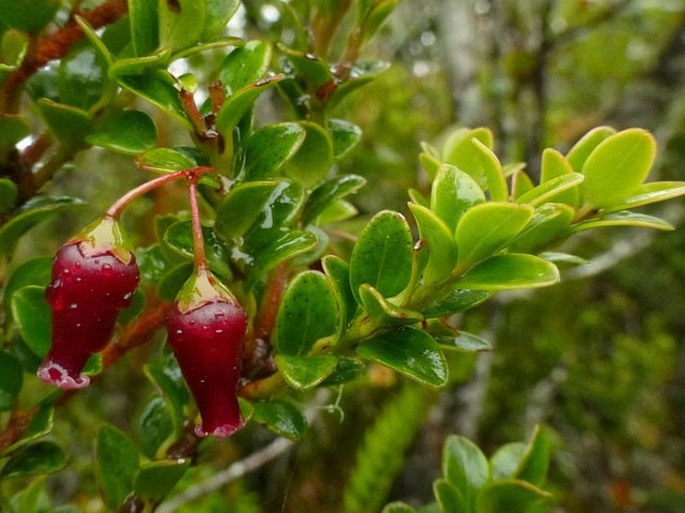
[
  {"x": 206, "y": 329},
  {"x": 93, "y": 279}
]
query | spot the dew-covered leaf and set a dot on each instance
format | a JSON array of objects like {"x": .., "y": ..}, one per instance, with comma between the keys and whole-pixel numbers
[
  {"x": 270, "y": 148},
  {"x": 281, "y": 416}
]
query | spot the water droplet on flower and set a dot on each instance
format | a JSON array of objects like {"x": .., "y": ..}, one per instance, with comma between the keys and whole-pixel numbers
[
  {"x": 73, "y": 306},
  {"x": 179, "y": 332},
  {"x": 218, "y": 332},
  {"x": 127, "y": 296},
  {"x": 107, "y": 269}
]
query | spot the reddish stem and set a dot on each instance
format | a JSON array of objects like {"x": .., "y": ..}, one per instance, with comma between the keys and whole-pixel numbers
[
  {"x": 190, "y": 108},
  {"x": 216, "y": 96},
  {"x": 198, "y": 240}
]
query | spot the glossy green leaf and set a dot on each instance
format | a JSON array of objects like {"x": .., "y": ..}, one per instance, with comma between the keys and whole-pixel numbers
[
  {"x": 179, "y": 237},
  {"x": 12, "y": 130},
  {"x": 171, "y": 282},
  {"x": 236, "y": 106},
  {"x": 158, "y": 88},
  {"x": 551, "y": 190},
  {"x": 465, "y": 467},
  {"x": 270, "y": 148},
  {"x": 81, "y": 77},
  {"x": 398, "y": 507},
  {"x": 430, "y": 164},
  {"x": 102, "y": 51},
  {"x": 377, "y": 306},
  {"x": 506, "y": 460},
  {"x": 28, "y": 15},
  {"x": 442, "y": 250},
  {"x": 281, "y": 416},
  {"x": 376, "y": 15},
  {"x": 617, "y": 167},
  {"x": 304, "y": 372},
  {"x": 155, "y": 428},
  {"x": 166, "y": 375},
  {"x": 152, "y": 263},
  {"x": 453, "y": 194},
  {"x": 511, "y": 271},
  {"x": 11, "y": 379},
  {"x": 550, "y": 223},
  {"x": 217, "y": 15},
  {"x": 35, "y": 459},
  {"x": 580, "y": 151},
  {"x": 181, "y": 22},
  {"x": 460, "y": 151},
  {"x": 409, "y": 351},
  {"x": 458, "y": 300},
  {"x": 219, "y": 43},
  {"x": 563, "y": 258},
  {"x": 449, "y": 497},
  {"x": 624, "y": 218},
  {"x": 520, "y": 184},
  {"x": 70, "y": 125},
  {"x": 649, "y": 193},
  {"x": 116, "y": 464},
  {"x": 554, "y": 165},
  {"x": 328, "y": 192},
  {"x": 361, "y": 73},
  {"x": 40, "y": 425},
  {"x": 33, "y": 212},
  {"x": 337, "y": 212},
  {"x": 492, "y": 169},
  {"x": 147, "y": 65},
  {"x": 144, "y": 26},
  {"x": 308, "y": 312},
  {"x": 129, "y": 132},
  {"x": 338, "y": 271},
  {"x": 245, "y": 65},
  {"x": 165, "y": 160},
  {"x": 311, "y": 163},
  {"x": 156, "y": 479},
  {"x": 290, "y": 245},
  {"x": 314, "y": 71},
  {"x": 242, "y": 206},
  {"x": 32, "y": 316},
  {"x": 464, "y": 341},
  {"x": 513, "y": 496},
  {"x": 487, "y": 228},
  {"x": 383, "y": 254},
  {"x": 8, "y": 195},
  {"x": 346, "y": 370},
  {"x": 535, "y": 460},
  {"x": 345, "y": 136}
]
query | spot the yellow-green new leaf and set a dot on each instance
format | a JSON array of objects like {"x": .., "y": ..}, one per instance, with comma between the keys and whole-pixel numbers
[{"x": 511, "y": 271}]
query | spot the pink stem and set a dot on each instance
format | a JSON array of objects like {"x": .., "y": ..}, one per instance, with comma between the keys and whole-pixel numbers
[{"x": 198, "y": 240}]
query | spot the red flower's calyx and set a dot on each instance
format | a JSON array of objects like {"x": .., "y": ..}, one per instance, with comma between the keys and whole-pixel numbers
[
  {"x": 206, "y": 330},
  {"x": 93, "y": 279}
]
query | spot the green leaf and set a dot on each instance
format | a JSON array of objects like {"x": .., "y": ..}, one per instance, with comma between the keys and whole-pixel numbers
[
  {"x": 338, "y": 271},
  {"x": 116, "y": 463},
  {"x": 33, "y": 212},
  {"x": 310, "y": 69},
  {"x": 32, "y": 316},
  {"x": 453, "y": 194},
  {"x": 171, "y": 282},
  {"x": 242, "y": 206},
  {"x": 281, "y": 416},
  {"x": 146, "y": 65},
  {"x": 70, "y": 125},
  {"x": 563, "y": 258},
  {"x": 377, "y": 306},
  {"x": 347, "y": 369},
  {"x": 458, "y": 300},
  {"x": 181, "y": 22},
  {"x": 409, "y": 351},
  {"x": 155, "y": 428},
  {"x": 35, "y": 459},
  {"x": 157, "y": 87},
  {"x": 129, "y": 132},
  {"x": 179, "y": 237},
  {"x": 511, "y": 271},
  {"x": 293, "y": 243},
  {"x": 314, "y": 158},
  {"x": 329, "y": 192},
  {"x": 304, "y": 372},
  {"x": 144, "y": 26},
  {"x": 487, "y": 228},
  {"x": 460, "y": 151},
  {"x": 165, "y": 160},
  {"x": 245, "y": 65},
  {"x": 550, "y": 223},
  {"x": 442, "y": 250},
  {"x": 40, "y": 425},
  {"x": 217, "y": 15},
  {"x": 506, "y": 460},
  {"x": 81, "y": 77},
  {"x": 28, "y": 15},
  {"x": 649, "y": 193},
  {"x": 535, "y": 460},
  {"x": 11, "y": 379},
  {"x": 617, "y": 167},
  {"x": 383, "y": 254},
  {"x": 492, "y": 169},
  {"x": 12, "y": 130},
  {"x": 520, "y": 184},
  {"x": 586, "y": 145},
  {"x": 551, "y": 190},
  {"x": 236, "y": 106},
  {"x": 270, "y": 148},
  {"x": 449, "y": 497},
  {"x": 624, "y": 218},
  {"x": 554, "y": 165},
  {"x": 102, "y": 51},
  {"x": 465, "y": 467},
  {"x": 166, "y": 375},
  {"x": 513, "y": 496},
  {"x": 156, "y": 479},
  {"x": 361, "y": 73},
  {"x": 308, "y": 312},
  {"x": 345, "y": 136},
  {"x": 8, "y": 195},
  {"x": 398, "y": 507},
  {"x": 464, "y": 341}
]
